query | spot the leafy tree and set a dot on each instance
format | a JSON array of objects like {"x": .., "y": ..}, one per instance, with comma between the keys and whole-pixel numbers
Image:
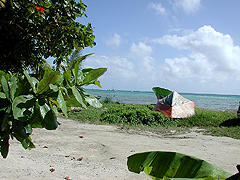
[
  {"x": 76, "y": 57},
  {"x": 30, "y": 30}
]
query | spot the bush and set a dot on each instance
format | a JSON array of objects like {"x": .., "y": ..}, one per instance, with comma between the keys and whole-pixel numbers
[
  {"x": 134, "y": 115},
  {"x": 206, "y": 118}
]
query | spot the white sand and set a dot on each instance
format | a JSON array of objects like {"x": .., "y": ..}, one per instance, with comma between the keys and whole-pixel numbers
[{"x": 104, "y": 151}]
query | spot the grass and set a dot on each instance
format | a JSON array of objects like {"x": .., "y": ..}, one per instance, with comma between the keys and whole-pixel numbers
[{"x": 218, "y": 123}]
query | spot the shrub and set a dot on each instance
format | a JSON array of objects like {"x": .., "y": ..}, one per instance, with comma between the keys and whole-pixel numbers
[{"x": 134, "y": 115}]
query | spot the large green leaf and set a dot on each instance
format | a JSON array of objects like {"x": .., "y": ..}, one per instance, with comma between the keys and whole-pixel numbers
[
  {"x": 50, "y": 121},
  {"x": 161, "y": 92},
  {"x": 21, "y": 133},
  {"x": 4, "y": 146},
  {"x": 76, "y": 71},
  {"x": 32, "y": 81},
  {"x": 5, "y": 86},
  {"x": 44, "y": 108},
  {"x": 23, "y": 107},
  {"x": 37, "y": 117},
  {"x": 160, "y": 164},
  {"x": 92, "y": 100},
  {"x": 78, "y": 96},
  {"x": 50, "y": 77},
  {"x": 62, "y": 103},
  {"x": 2, "y": 95},
  {"x": 92, "y": 75},
  {"x": 13, "y": 87},
  {"x": 67, "y": 76},
  {"x": 6, "y": 118}
]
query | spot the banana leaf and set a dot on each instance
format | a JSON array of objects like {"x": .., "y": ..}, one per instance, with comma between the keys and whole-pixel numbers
[
  {"x": 161, "y": 92},
  {"x": 171, "y": 165}
]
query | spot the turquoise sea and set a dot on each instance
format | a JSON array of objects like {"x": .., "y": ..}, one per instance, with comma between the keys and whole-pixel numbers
[{"x": 202, "y": 101}]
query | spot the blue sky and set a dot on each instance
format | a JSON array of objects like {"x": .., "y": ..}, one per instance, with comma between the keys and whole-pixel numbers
[{"x": 183, "y": 45}]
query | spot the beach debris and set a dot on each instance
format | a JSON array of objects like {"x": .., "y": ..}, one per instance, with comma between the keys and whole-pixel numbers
[
  {"x": 173, "y": 105},
  {"x": 79, "y": 159},
  {"x": 45, "y": 147},
  {"x": 52, "y": 169},
  {"x": 112, "y": 158},
  {"x": 67, "y": 178},
  {"x": 81, "y": 137}
]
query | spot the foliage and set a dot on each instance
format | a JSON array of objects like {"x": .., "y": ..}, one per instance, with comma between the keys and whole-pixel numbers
[
  {"x": 206, "y": 118},
  {"x": 26, "y": 102},
  {"x": 133, "y": 114},
  {"x": 76, "y": 57},
  {"x": 167, "y": 165},
  {"x": 108, "y": 99},
  {"x": 31, "y": 30},
  {"x": 212, "y": 121}
]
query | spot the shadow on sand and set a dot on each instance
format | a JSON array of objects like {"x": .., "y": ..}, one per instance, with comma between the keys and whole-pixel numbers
[{"x": 231, "y": 122}]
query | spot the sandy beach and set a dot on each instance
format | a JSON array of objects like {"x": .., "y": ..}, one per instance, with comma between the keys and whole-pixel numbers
[{"x": 99, "y": 152}]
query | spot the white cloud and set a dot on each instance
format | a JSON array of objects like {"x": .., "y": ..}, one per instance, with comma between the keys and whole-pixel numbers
[
  {"x": 211, "y": 64},
  {"x": 135, "y": 71},
  {"x": 114, "y": 41},
  {"x": 189, "y": 6},
  {"x": 213, "y": 58},
  {"x": 158, "y": 7},
  {"x": 206, "y": 44},
  {"x": 141, "y": 49}
]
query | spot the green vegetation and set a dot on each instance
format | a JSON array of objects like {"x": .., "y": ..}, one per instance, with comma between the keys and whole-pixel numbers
[
  {"x": 167, "y": 165},
  {"x": 32, "y": 92},
  {"x": 219, "y": 123},
  {"x": 31, "y": 30}
]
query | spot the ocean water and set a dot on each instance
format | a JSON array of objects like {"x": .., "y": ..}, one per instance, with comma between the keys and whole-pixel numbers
[{"x": 202, "y": 101}]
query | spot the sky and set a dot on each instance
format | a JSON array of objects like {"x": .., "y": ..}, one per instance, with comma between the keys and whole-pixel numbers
[{"x": 190, "y": 46}]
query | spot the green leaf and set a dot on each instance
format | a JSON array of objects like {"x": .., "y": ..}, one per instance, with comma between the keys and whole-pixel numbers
[
  {"x": 97, "y": 83},
  {"x": 50, "y": 121},
  {"x": 75, "y": 72},
  {"x": 32, "y": 81},
  {"x": 5, "y": 86},
  {"x": 28, "y": 129},
  {"x": 37, "y": 118},
  {"x": 21, "y": 132},
  {"x": 4, "y": 146},
  {"x": 54, "y": 87},
  {"x": 92, "y": 75},
  {"x": 48, "y": 78},
  {"x": 78, "y": 96},
  {"x": 55, "y": 109},
  {"x": 161, "y": 92},
  {"x": 92, "y": 100},
  {"x": 44, "y": 109},
  {"x": 13, "y": 87},
  {"x": 27, "y": 143},
  {"x": 67, "y": 76},
  {"x": 159, "y": 164},
  {"x": 23, "y": 107},
  {"x": 6, "y": 118},
  {"x": 2, "y": 95},
  {"x": 62, "y": 103}
]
